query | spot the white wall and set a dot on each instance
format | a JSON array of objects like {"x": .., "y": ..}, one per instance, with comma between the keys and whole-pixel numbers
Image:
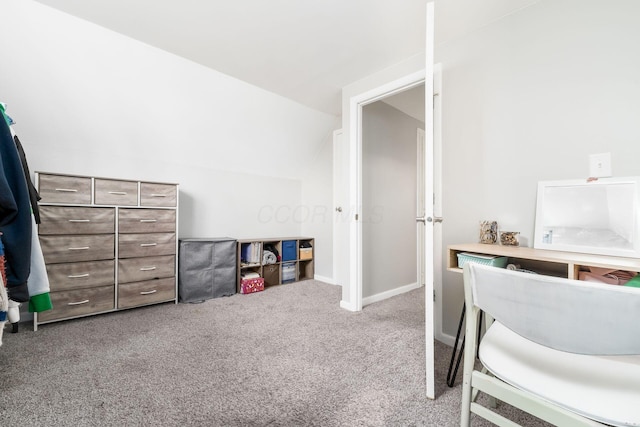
[
  {"x": 90, "y": 101},
  {"x": 389, "y": 184},
  {"x": 526, "y": 99}
]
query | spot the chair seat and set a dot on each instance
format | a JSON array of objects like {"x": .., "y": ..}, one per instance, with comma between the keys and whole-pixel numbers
[{"x": 603, "y": 388}]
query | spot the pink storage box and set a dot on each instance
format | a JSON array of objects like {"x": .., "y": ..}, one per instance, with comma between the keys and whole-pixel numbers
[{"x": 248, "y": 286}]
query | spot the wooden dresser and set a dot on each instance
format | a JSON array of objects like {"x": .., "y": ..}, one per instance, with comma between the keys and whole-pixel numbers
[{"x": 109, "y": 244}]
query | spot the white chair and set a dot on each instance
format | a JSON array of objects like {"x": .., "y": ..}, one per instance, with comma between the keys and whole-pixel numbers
[{"x": 565, "y": 351}]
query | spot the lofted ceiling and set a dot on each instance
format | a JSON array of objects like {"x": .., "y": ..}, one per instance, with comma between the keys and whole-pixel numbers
[{"x": 303, "y": 50}]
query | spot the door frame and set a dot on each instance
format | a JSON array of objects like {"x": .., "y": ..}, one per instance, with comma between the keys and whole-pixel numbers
[
  {"x": 356, "y": 105},
  {"x": 339, "y": 164}
]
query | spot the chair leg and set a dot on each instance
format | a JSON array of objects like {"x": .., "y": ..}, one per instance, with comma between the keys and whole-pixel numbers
[{"x": 468, "y": 393}]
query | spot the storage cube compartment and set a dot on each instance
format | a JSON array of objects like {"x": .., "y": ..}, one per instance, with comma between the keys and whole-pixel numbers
[
  {"x": 275, "y": 248},
  {"x": 491, "y": 260},
  {"x": 306, "y": 250},
  {"x": 288, "y": 272},
  {"x": 305, "y": 270},
  {"x": 250, "y": 253},
  {"x": 248, "y": 286},
  {"x": 289, "y": 250},
  {"x": 271, "y": 274}
]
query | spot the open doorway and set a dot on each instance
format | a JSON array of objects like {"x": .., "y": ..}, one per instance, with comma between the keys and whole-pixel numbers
[{"x": 390, "y": 175}]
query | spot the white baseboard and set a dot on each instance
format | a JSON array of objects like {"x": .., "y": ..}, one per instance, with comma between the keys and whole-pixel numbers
[
  {"x": 324, "y": 279},
  {"x": 390, "y": 293},
  {"x": 446, "y": 339}
]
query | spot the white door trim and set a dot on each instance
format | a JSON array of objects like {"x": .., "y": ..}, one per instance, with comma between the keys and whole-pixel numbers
[
  {"x": 356, "y": 103},
  {"x": 338, "y": 203}
]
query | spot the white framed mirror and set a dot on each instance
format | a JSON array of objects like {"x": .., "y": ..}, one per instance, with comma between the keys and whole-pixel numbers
[{"x": 589, "y": 216}]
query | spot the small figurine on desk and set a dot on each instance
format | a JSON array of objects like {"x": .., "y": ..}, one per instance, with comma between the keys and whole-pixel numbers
[
  {"x": 509, "y": 238},
  {"x": 488, "y": 232}
]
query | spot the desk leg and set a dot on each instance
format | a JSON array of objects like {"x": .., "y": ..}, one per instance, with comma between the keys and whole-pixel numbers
[
  {"x": 451, "y": 373},
  {"x": 451, "y": 376}
]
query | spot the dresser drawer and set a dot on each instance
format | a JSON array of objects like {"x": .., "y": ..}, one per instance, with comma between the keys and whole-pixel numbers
[
  {"x": 76, "y": 220},
  {"x": 148, "y": 292},
  {"x": 143, "y": 245},
  {"x": 115, "y": 192},
  {"x": 64, "y": 189},
  {"x": 57, "y": 249},
  {"x": 66, "y": 276},
  {"x": 139, "y": 269},
  {"x": 79, "y": 302},
  {"x": 158, "y": 194},
  {"x": 146, "y": 220}
]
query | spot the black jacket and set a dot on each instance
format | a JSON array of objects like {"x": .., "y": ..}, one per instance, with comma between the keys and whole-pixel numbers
[{"x": 15, "y": 216}]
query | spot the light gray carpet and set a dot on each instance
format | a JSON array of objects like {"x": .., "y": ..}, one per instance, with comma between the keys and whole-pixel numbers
[{"x": 288, "y": 356}]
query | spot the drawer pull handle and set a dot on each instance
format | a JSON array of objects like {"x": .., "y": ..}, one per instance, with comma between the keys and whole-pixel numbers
[
  {"x": 81, "y": 248},
  {"x": 147, "y": 268},
  {"x": 148, "y": 220},
  {"x": 148, "y": 292},
  {"x": 67, "y": 190},
  {"x": 79, "y": 220},
  {"x": 78, "y": 276},
  {"x": 158, "y": 195},
  {"x": 78, "y": 303},
  {"x": 118, "y": 193},
  {"x": 144, "y": 245}
]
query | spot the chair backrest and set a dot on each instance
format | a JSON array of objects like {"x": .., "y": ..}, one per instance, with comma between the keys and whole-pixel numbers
[{"x": 567, "y": 315}]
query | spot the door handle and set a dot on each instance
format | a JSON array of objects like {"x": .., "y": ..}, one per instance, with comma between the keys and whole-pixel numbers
[
  {"x": 429, "y": 219},
  {"x": 339, "y": 209}
]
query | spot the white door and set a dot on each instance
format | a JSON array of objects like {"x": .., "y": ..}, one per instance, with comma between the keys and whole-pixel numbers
[
  {"x": 352, "y": 293},
  {"x": 340, "y": 209},
  {"x": 429, "y": 196}
]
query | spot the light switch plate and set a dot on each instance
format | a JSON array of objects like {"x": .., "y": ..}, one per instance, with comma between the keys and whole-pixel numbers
[{"x": 600, "y": 165}]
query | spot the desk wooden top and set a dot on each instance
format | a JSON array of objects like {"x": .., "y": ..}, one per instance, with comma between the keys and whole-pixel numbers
[{"x": 570, "y": 258}]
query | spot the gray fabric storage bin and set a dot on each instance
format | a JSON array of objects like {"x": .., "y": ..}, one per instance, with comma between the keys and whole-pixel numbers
[{"x": 206, "y": 269}]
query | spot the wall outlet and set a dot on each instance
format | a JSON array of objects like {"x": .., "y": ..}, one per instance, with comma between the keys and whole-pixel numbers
[{"x": 600, "y": 165}]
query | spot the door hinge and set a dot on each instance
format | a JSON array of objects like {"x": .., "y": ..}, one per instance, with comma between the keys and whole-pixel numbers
[
  {"x": 356, "y": 217},
  {"x": 434, "y": 295}
]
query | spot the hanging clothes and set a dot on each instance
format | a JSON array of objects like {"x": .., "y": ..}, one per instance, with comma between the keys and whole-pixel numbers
[
  {"x": 23, "y": 255},
  {"x": 4, "y": 307},
  {"x": 4, "y": 299},
  {"x": 38, "y": 281},
  {"x": 34, "y": 197},
  {"x": 16, "y": 227},
  {"x": 8, "y": 205}
]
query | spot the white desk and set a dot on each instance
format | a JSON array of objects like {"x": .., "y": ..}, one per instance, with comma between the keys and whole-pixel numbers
[{"x": 542, "y": 261}]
